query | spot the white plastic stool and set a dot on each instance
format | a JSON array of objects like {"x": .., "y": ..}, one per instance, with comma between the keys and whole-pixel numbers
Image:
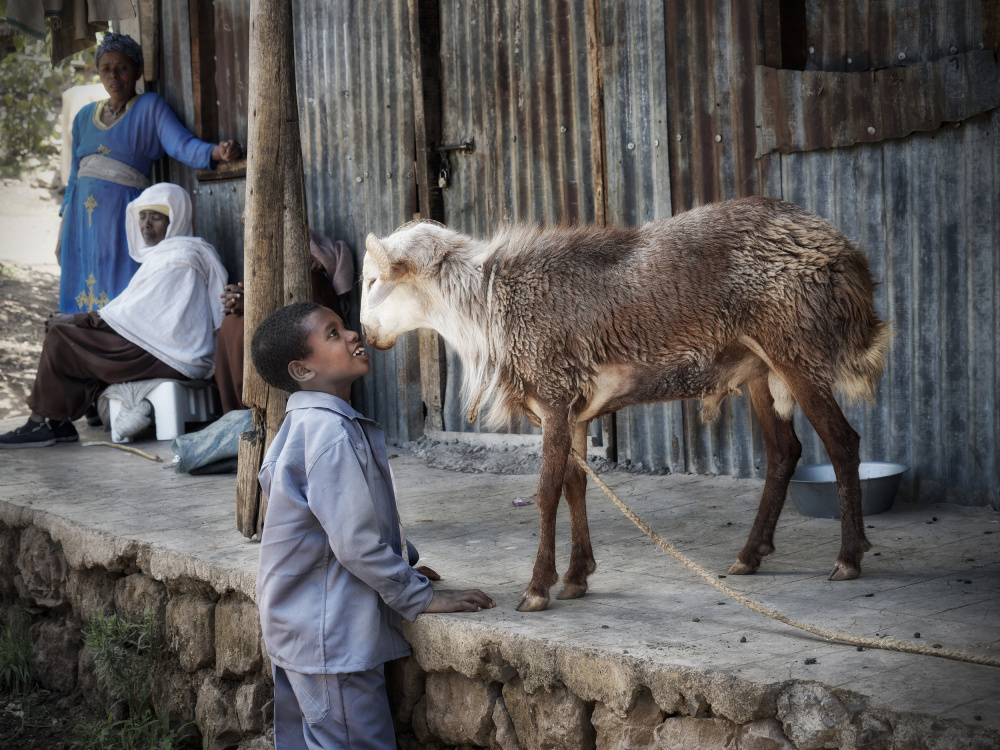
[{"x": 173, "y": 404}]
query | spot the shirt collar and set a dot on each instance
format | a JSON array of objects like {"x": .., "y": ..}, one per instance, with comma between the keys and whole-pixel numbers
[{"x": 315, "y": 399}]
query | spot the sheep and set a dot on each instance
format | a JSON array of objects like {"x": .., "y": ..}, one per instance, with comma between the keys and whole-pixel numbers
[{"x": 565, "y": 324}]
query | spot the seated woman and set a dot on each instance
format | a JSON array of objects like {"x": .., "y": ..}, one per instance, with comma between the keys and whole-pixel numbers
[{"x": 161, "y": 326}]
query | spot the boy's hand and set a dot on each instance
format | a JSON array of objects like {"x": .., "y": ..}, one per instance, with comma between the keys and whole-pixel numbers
[
  {"x": 429, "y": 573},
  {"x": 470, "y": 600}
]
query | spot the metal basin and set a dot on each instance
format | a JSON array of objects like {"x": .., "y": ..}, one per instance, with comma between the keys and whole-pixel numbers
[{"x": 814, "y": 488}]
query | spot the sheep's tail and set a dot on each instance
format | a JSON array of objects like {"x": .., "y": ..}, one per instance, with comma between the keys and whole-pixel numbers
[{"x": 860, "y": 367}]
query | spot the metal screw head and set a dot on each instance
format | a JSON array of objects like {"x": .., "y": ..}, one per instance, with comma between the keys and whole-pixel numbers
[
  {"x": 562, "y": 129},
  {"x": 953, "y": 50},
  {"x": 631, "y": 146},
  {"x": 850, "y": 60},
  {"x": 718, "y": 139},
  {"x": 871, "y": 130},
  {"x": 366, "y": 174},
  {"x": 679, "y": 136},
  {"x": 357, "y": 179},
  {"x": 901, "y": 55},
  {"x": 656, "y": 143},
  {"x": 812, "y": 50}
]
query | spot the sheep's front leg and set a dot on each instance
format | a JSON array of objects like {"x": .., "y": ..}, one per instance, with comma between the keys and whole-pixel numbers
[
  {"x": 555, "y": 450},
  {"x": 581, "y": 557}
]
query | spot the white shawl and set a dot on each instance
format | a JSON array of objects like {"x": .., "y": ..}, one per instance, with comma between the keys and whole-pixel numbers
[{"x": 171, "y": 307}]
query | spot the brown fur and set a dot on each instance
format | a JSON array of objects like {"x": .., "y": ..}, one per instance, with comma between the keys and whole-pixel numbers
[{"x": 583, "y": 321}]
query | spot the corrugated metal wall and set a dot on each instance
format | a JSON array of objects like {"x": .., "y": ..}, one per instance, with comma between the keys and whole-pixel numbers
[
  {"x": 514, "y": 80},
  {"x": 679, "y": 87},
  {"x": 356, "y": 122}
]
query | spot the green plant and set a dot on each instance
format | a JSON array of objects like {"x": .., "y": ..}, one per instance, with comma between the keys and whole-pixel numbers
[
  {"x": 143, "y": 732},
  {"x": 31, "y": 100},
  {"x": 125, "y": 655},
  {"x": 16, "y": 676}
]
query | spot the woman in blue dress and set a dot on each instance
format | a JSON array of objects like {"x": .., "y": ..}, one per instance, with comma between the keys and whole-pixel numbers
[{"x": 115, "y": 142}]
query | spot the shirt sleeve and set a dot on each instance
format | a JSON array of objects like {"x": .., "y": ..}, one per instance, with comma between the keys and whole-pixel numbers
[
  {"x": 180, "y": 142},
  {"x": 345, "y": 508}
]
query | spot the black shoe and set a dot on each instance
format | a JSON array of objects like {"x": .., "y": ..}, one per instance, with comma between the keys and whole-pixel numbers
[
  {"x": 31, "y": 435},
  {"x": 64, "y": 432},
  {"x": 93, "y": 417}
]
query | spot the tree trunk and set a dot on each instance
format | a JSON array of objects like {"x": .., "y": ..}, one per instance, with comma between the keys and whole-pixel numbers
[{"x": 276, "y": 250}]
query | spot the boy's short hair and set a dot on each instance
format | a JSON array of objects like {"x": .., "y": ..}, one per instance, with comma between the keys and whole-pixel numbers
[{"x": 279, "y": 340}]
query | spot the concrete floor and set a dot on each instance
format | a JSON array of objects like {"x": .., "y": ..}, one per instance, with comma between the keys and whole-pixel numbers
[{"x": 939, "y": 578}]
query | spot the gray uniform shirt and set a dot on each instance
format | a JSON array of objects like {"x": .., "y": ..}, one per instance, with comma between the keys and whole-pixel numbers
[{"x": 331, "y": 582}]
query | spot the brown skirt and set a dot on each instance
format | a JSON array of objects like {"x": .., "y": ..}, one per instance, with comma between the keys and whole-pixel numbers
[{"x": 80, "y": 359}]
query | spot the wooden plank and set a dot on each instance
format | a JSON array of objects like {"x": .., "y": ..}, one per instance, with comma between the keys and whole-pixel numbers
[
  {"x": 991, "y": 25},
  {"x": 205, "y": 94},
  {"x": 772, "y": 33},
  {"x": 149, "y": 30}
]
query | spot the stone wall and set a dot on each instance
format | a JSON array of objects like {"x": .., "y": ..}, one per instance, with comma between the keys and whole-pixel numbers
[
  {"x": 216, "y": 674},
  {"x": 465, "y": 686}
]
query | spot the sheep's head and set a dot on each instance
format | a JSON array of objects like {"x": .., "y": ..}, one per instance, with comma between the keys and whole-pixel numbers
[{"x": 395, "y": 294}]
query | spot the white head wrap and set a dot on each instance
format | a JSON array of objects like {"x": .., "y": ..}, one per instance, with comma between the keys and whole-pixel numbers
[{"x": 167, "y": 194}]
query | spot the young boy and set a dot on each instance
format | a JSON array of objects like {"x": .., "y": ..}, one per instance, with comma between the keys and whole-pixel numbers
[{"x": 332, "y": 584}]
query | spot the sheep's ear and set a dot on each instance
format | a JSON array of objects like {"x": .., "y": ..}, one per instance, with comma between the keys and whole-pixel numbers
[{"x": 384, "y": 290}]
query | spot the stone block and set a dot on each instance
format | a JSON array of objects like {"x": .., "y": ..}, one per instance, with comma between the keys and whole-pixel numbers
[
  {"x": 175, "y": 692},
  {"x": 91, "y": 592},
  {"x": 265, "y": 668},
  {"x": 191, "y": 630},
  {"x": 261, "y": 742},
  {"x": 43, "y": 570},
  {"x": 404, "y": 682},
  {"x": 251, "y": 699},
  {"x": 548, "y": 719},
  {"x": 764, "y": 734},
  {"x": 419, "y": 723},
  {"x": 215, "y": 713},
  {"x": 459, "y": 708},
  {"x": 237, "y": 638},
  {"x": 136, "y": 595},
  {"x": 9, "y": 545},
  {"x": 631, "y": 731},
  {"x": 95, "y": 696},
  {"x": 685, "y": 732},
  {"x": 812, "y": 716},
  {"x": 56, "y": 647},
  {"x": 504, "y": 735}
]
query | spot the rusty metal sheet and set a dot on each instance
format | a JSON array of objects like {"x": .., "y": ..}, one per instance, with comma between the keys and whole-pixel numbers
[
  {"x": 232, "y": 67},
  {"x": 808, "y": 110}
]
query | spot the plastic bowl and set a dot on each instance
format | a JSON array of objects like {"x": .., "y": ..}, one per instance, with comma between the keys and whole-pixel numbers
[{"x": 814, "y": 488}]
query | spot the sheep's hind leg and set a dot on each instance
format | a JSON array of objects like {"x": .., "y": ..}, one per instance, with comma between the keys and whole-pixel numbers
[
  {"x": 783, "y": 451},
  {"x": 555, "y": 451},
  {"x": 581, "y": 557},
  {"x": 842, "y": 444}
]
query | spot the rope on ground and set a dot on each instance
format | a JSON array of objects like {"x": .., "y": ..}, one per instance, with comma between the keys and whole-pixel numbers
[
  {"x": 136, "y": 451},
  {"x": 887, "y": 643}
]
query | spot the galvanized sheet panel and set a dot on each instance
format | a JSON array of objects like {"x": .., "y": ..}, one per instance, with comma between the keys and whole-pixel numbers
[
  {"x": 356, "y": 122},
  {"x": 937, "y": 403},
  {"x": 232, "y": 67},
  {"x": 218, "y": 210},
  {"x": 513, "y": 79}
]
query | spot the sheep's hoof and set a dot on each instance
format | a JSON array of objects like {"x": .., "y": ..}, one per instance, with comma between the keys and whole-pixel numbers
[
  {"x": 742, "y": 569},
  {"x": 533, "y": 603},
  {"x": 844, "y": 572},
  {"x": 572, "y": 591}
]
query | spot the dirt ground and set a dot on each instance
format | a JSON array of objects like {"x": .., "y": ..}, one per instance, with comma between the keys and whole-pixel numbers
[
  {"x": 40, "y": 721},
  {"x": 29, "y": 283}
]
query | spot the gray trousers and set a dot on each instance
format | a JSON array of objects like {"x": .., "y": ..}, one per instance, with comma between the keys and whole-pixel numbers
[{"x": 332, "y": 711}]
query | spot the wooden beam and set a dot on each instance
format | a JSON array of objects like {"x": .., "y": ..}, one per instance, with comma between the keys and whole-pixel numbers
[
  {"x": 206, "y": 108},
  {"x": 425, "y": 39},
  {"x": 991, "y": 25},
  {"x": 149, "y": 31},
  {"x": 276, "y": 247}
]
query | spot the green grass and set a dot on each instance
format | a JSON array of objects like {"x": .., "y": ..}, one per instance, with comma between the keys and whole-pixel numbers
[
  {"x": 16, "y": 676},
  {"x": 140, "y": 732}
]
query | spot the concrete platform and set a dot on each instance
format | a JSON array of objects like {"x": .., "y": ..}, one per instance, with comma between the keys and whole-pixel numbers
[{"x": 645, "y": 614}]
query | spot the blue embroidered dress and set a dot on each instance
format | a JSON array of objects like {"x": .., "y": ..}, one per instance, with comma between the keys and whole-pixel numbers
[{"x": 96, "y": 266}]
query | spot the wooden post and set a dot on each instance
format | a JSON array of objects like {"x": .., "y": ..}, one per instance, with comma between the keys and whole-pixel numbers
[
  {"x": 276, "y": 267},
  {"x": 424, "y": 17}
]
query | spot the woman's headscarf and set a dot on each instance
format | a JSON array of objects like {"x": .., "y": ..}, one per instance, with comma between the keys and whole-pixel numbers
[
  {"x": 115, "y": 42},
  {"x": 175, "y": 198}
]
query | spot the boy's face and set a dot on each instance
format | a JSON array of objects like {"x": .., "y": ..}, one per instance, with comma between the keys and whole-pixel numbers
[{"x": 337, "y": 357}]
